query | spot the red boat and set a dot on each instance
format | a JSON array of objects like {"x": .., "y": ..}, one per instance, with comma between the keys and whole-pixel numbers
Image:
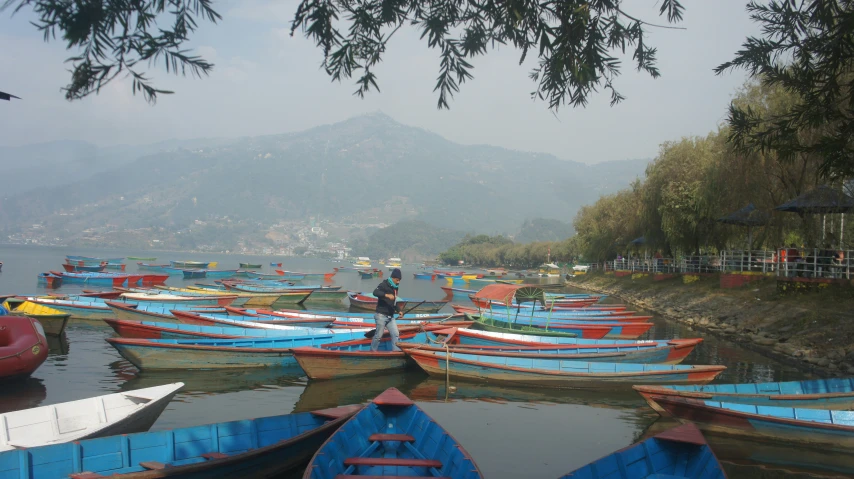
[{"x": 23, "y": 346}]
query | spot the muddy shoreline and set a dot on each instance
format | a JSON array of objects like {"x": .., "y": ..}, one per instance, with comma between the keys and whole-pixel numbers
[{"x": 813, "y": 332}]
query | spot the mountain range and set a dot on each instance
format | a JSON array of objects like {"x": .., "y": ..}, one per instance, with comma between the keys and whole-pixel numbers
[{"x": 369, "y": 169}]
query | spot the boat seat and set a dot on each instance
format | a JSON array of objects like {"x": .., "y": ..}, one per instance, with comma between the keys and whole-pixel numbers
[
  {"x": 391, "y": 437},
  {"x": 85, "y": 475},
  {"x": 152, "y": 465},
  {"x": 214, "y": 455},
  {"x": 389, "y": 461}
]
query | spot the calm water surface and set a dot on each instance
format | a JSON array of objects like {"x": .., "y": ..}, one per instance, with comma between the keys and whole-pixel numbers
[{"x": 510, "y": 432}]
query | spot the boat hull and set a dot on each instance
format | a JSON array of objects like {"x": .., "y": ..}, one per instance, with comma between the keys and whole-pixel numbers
[
  {"x": 329, "y": 364},
  {"x": 435, "y": 365},
  {"x": 761, "y": 427}
]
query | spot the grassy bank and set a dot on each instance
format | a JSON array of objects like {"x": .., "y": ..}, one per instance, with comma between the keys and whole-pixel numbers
[{"x": 812, "y": 330}]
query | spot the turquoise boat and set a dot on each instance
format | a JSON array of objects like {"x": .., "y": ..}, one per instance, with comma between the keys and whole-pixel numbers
[
  {"x": 831, "y": 393},
  {"x": 817, "y": 428},
  {"x": 220, "y": 353},
  {"x": 263, "y": 447}
]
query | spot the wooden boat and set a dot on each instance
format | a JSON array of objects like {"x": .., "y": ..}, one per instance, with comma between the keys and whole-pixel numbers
[
  {"x": 161, "y": 330},
  {"x": 637, "y": 354},
  {"x": 678, "y": 452},
  {"x": 299, "y": 275},
  {"x": 52, "y": 320},
  {"x": 220, "y": 273},
  {"x": 324, "y": 296},
  {"x": 478, "y": 338},
  {"x": 153, "y": 267},
  {"x": 366, "y": 274},
  {"x": 243, "y": 298},
  {"x": 219, "y": 353},
  {"x": 248, "y": 320},
  {"x": 50, "y": 280},
  {"x": 352, "y": 358},
  {"x": 263, "y": 447},
  {"x": 818, "y": 428},
  {"x": 94, "y": 279},
  {"x": 70, "y": 268},
  {"x": 424, "y": 276},
  {"x": 92, "y": 258},
  {"x": 581, "y": 330},
  {"x": 250, "y": 265},
  {"x": 211, "y": 300},
  {"x": 369, "y": 302},
  {"x": 100, "y": 416},
  {"x": 391, "y": 436},
  {"x": 279, "y": 277},
  {"x": 137, "y": 258},
  {"x": 23, "y": 347},
  {"x": 190, "y": 264},
  {"x": 193, "y": 273},
  {"x": 278, "y": 265},
  {"x": 559, "y": 373},
  {"x": 152, "y": 311},
  {"x": 831, "y": 393}
]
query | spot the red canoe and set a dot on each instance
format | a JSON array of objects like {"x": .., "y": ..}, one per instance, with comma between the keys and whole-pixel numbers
[{"x": 23, "y": 346}]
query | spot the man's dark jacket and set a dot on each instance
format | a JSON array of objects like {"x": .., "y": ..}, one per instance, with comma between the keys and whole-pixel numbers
[{"x": 384, "y": 306}]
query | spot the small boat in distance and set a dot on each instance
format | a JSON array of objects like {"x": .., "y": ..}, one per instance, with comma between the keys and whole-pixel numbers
[
  {"x": 393, "y": 263},
  {"x": 250, "y": 266},
  {"x": 138, "y": 258},
  {"x": 362, "y": 262}
]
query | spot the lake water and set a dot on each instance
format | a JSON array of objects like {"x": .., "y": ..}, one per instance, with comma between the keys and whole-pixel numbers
[{"x": 510, "y": 432}]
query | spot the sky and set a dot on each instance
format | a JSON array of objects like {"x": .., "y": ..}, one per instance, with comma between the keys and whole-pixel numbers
[{"x": 266, "y": 82}]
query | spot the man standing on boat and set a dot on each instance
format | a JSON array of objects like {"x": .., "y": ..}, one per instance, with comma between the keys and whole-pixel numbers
[{"x": 387, "y": 309}]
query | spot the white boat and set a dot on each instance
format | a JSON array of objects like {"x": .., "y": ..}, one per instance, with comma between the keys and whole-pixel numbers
[
  {"x": 393, "y": 263},
  {"x": 362, "y": 262},
  {"x": 100, "y": 416},
  {"x": 550, "y": 270}
]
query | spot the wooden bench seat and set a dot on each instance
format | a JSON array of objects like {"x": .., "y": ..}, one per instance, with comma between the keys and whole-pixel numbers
[
  {"x": 152, "y": 465},
  {"x": 388, "y": 461},
  {"x": 391, "y": 437}
]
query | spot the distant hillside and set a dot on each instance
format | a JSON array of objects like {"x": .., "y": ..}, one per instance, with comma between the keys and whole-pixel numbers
[
  {"x": 369, "y": 169},
  {"x": 542, "y": 229},
  {"x": 408, "y": 240}
]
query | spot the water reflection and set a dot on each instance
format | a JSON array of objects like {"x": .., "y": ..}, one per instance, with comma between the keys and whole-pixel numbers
[
  {"x": 202, "y": 382},
  {"x": 323, "y": 394},
  {"x": 22, "y": 394},
  {"x": 58, "y": 345}
]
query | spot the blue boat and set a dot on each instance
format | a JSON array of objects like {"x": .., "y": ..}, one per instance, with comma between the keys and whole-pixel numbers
[
  {"x": 558, "y": 373},
  {"x": 220, "y": 273},
  {"x": 818, "y": 428},
  {"x": 833, "y": 393},
  {"x": 392, "y": 436},
  {"x": 423, "y": 275},
  {"x": 220, "y": 353},
  {"x": 263, "y": 447},
  {"x": 160, "y": 268},
  {"x": 678, "y": 452},
  {"x": 366, "y": 274},
  {"x": 165, "y": 330},
  {"x": 193, "y": 273}
]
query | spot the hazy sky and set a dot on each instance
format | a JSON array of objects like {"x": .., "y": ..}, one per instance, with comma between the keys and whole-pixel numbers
[{"x": 266, "y": 82}]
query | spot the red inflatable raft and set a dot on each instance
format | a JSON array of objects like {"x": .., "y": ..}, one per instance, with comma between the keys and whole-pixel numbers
[{"x": 23, "y": 346}]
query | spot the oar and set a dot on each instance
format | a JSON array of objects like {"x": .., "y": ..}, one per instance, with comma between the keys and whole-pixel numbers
[{"x": 373, "y": 332}]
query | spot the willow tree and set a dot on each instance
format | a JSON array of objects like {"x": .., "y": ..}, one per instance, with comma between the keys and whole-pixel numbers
[
  {"x": 807, "y": 49},
  {"x": 576, "y": 41},
  {"x": 606, "y": 227},
  {"x": 678, "y": 207}
]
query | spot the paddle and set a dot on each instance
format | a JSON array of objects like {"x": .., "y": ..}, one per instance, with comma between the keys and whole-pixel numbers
[{"x": 373, "y": 332}]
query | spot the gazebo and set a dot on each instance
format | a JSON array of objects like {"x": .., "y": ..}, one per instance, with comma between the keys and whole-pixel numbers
[{"x": 821, "y": 200}]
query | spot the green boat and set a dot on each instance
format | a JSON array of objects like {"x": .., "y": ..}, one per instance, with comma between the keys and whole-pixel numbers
[
  {"x": 137, "y": 258},
  {"x": 489, "y": 324},
  {"x": 250, "y": 266},
  {"x": 320, "y": 296}
]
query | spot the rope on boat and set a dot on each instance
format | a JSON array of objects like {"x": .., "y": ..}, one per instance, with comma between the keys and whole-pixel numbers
[{"x": 444, "y": 344}]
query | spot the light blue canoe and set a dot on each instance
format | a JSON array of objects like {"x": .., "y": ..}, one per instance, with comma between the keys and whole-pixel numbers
[{"x": 220, "y": 353}]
